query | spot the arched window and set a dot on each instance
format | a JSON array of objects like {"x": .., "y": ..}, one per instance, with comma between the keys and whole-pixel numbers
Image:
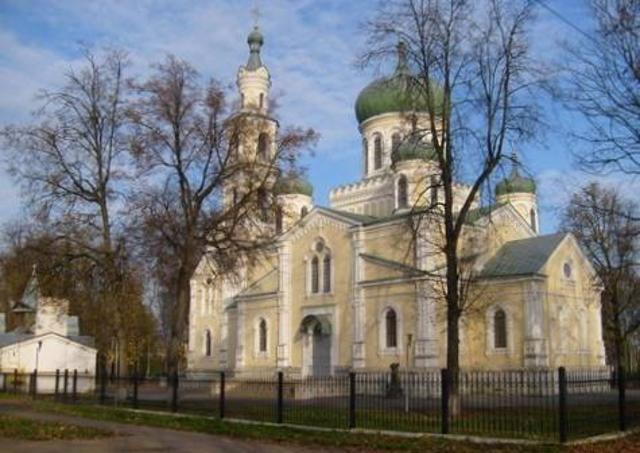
[
  {"x": 261, "y": 100},
  {"x": 395, "y": 141},
  {"x": 279, "y": 220},
  {"x": 434, "y": 191},
  {"x": 263, "y": 146},
  {"x": 263, "y": 204},
  {"x": 403, "y": 200},
  {"x": 241, "y": 100},
  {"x": 391, "y": 328},
  {"x": 365, "y": 155},
  {"x": 207, "y": 343},
  {"x": 315, "y": 275},
  {"x": 304, "y": 211},
  {"x": 234, "y": 194},
  {"x": 499, "y": 329},
  {"x": 262, "y": 336},
  {"x": 532, "y": 215},
  {"x": 377, "y": 152},
  {"x": 326, "y": 273}
]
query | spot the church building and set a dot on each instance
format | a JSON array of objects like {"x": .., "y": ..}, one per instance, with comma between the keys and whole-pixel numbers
[{"x": 355, "y": 286}]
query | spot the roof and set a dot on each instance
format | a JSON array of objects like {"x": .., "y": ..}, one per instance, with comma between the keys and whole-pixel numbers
[
  {"x": 360, "y": 218},
  {"x": 404, "y": 268},
  {"x": 7, "y": 339},
  {"x": 267, "y": 284},
  {"x": 402, "y": 92},
  {"x": 522, "y": 257}
]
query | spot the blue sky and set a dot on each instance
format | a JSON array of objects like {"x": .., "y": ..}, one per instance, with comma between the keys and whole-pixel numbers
[{"x": 310, "y": 50}]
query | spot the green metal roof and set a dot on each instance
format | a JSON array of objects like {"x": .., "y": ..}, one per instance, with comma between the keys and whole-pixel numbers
[
  {"x": 402, "y": 92},
  {"x": 522, "y": 257},
  {"x": 413, "y": 148},
  {"x": 515, "y": 182},
  {"x": 293, "y": 184}
]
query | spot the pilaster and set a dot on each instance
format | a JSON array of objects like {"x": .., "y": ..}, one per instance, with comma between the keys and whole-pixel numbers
[
  {"x": 359, "y": 313},
  {"x": 284, "y": 306},
  {"x": 535, "y": 342}
]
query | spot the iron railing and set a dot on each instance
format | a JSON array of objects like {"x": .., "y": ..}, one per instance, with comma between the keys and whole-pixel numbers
[{"x": 546, "y": 404}]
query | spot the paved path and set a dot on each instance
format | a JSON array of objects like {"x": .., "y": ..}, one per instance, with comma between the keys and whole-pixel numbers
[{"x": 132, "y": 438}]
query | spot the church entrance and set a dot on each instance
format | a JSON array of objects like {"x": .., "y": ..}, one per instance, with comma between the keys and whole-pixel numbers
[{"x": 316, "y": 345}]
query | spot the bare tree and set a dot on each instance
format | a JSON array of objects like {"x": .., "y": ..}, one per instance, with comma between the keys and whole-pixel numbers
[
  {"x": 604, "y": 76},
  {"x": 187, "y": 144},
  {"x": 472, "y": 64},
  {"x": 606, "y": 225},
  {"x": 70, "y": 162}
]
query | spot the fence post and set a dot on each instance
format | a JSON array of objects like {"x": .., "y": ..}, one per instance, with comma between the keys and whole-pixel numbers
[
  {"x": 622, "y": 398},
  {"x": 34, "y": 385},
  {"x": 74, "y": 386},
  {"x": 174, "y": 396},
  {"x": 103, "y": 385},
  {"x": 444, "y": 399},
  {"x": 221, "y": 402},
  {"x": 562, "y": 403},
  {"x": 280, "y": 397},
  {"x": 135, "y": 388},
  {"x": 57, "y": 390},
  {"x": 66, "y": 383},
  {"x": 15, "y": 381},
  {"x": 352, "y": 400}
]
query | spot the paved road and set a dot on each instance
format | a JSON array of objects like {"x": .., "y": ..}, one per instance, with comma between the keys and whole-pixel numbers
[{"x": 131, "y": 438}]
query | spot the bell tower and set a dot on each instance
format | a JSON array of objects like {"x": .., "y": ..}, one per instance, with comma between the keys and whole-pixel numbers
[{"x": 253, "y": 141}]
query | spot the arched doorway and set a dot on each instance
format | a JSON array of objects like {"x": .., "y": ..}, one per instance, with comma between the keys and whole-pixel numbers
[{"x": 316, "y": 345}]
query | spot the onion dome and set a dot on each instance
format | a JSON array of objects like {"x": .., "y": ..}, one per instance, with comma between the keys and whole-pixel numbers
[
  {"x": 255, "y": 41},
  {"x": 515, "y": 182},
  {"x": 293, "y": 185},
  {"x": 402, "y": 92},
  {"x": 413, "y": 148}
]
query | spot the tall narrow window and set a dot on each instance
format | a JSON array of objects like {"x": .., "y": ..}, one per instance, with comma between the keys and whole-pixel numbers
[
  {"x": 304, "y": 211},
  {"x": 261, "y": 100},
  {"x": 315, "y": 283},
  {"x": 391, "y": 327},
  {"x": 365, "y": 156},
  {"x": 279, "y": 220},
  {"x": 263, "y": 204},
  {"x": 241, "y": 100},
  {"x": 377, "y": 152},
  {"x": 326, "y": 273},
  {"x": 532, "y": 215},
  {"x": 263, "y": 147},
  {"x": 403, "y": 200},
  {"x": 434, "y": 191},
  {"x": 207, "y": 343},
  {"x": 395, "y": 141},
  {"x": 234, "y": 194},
  {"x": 262, "y": 332},
  {"x": 499, "y": 329}
]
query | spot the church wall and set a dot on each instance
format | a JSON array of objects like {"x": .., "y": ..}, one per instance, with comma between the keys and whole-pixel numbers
[
  {"x": 401, "y": 298},
  {"x": 253, "y": 311},
  {"x": 477, "y": 349},
  {"x": 573, "y": 309},
  {"x": 336, "y": 303}
]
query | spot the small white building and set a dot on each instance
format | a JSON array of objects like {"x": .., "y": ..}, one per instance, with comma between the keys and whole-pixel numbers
[{"x": 45, "y": 338}]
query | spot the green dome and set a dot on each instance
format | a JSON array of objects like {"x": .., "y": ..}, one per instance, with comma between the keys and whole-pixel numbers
[
  {"x": 402, "y": 92},
  {"x": 255, "y": 37},
  {"x": 515, "y": 183},
  {"x": 411, "y": 149},
  {"x": 293, "y": 185}
]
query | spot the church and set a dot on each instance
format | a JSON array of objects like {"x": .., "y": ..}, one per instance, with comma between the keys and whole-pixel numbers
[{"x": 352, "y": 286}]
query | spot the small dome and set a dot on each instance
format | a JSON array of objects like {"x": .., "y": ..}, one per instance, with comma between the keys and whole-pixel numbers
[
  {"x": 402, "y": 92},
  {"x": 515, "y": 183},
  {"x": 255, "y": 37},
  {"x": 413, "y": 148},
  {"x": 293, "y": 185}
]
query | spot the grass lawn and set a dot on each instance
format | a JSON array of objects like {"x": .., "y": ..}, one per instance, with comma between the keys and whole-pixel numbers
[{"x": 24, "y": 429}]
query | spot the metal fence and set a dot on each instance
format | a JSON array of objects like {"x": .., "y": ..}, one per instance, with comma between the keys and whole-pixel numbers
[{"x": 533, "y": 404}]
